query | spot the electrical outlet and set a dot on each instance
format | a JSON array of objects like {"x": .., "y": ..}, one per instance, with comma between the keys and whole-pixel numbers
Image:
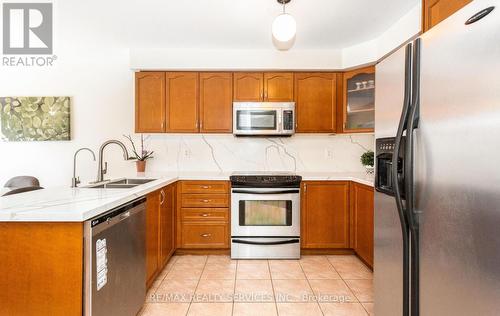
[
  {"x": 187, "y": 153},
  {"x": 329, "y": 153}
]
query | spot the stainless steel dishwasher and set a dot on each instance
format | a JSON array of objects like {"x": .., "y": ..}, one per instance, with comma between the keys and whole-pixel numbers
[{"x": 115, "y": 261}]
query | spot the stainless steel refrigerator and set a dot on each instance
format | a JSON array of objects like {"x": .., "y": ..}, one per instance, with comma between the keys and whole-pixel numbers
[{"x": 437, "y": 200}]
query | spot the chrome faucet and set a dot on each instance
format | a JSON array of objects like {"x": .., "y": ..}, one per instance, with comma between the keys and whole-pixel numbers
[
  {"x": 76, "y": 180},
  {"x": 102, "y": 171}
]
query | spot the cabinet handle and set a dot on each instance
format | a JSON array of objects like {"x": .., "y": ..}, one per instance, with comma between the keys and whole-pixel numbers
[
  {"x": 162, "y": 194},
  {"x": 205, "y": 235},
  {"x": 305, "y": 188},
  {"x": 204, "y": 215},
  {"x": 205, "y": 187},
  {"x": 206, "y": 201}
]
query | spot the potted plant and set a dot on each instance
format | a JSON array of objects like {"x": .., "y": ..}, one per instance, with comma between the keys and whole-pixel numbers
[
  {"x": 142, "y": 155},
  {"x": 367, "y": 161}
]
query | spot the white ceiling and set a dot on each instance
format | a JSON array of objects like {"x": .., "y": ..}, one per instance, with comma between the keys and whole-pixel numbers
[{"x": 246, "y": 24}]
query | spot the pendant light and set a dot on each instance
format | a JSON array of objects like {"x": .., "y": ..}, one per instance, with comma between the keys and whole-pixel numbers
[{"x": 284, "y": 26}]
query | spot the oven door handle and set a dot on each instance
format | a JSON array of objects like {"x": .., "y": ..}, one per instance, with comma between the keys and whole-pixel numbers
[
  {"x": 266, "y": 192},
  {"x": 266, "y": 243}
]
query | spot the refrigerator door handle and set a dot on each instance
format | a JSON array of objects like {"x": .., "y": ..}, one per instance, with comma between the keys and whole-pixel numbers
[
  {"x": 395, "y": 179},
  {"x": 410, "y": 141},
  {"x": 413, "y": 121}
]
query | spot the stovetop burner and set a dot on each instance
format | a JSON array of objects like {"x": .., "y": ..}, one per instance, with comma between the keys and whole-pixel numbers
[{"x": 272, "y": 180}]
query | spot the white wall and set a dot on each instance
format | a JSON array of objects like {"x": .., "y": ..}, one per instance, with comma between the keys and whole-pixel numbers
[
  {"x": 368, "y": 52},
  {"x": 404, "y": 29},
  {"x": 101, "y": 89},
  {"x": 234, "y": 59},
  {"x": 94, "y": 69}
]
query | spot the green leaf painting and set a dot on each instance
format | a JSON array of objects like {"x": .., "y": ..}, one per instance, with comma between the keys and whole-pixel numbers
[{"x": 34, "y": 118}]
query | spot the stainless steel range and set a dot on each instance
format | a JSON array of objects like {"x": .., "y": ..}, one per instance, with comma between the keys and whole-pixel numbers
[{"x": 265, "y": 216}]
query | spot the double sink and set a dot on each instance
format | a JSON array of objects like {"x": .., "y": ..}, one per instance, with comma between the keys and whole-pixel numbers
[{"x": 119, "y": 184}]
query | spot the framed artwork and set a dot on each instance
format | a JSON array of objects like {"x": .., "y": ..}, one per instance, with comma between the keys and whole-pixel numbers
[{"x": 35, "y": 118}]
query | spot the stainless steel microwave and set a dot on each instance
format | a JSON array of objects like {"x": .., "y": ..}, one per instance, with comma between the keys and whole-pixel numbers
[{"x": 264, "y": 118}]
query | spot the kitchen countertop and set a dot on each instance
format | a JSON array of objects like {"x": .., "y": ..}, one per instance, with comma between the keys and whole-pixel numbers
[
  {"x": 65, "y": 204},
  {"x": 359, "y": 177}
]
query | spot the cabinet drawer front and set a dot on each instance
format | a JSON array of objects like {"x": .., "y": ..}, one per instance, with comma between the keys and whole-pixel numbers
[
  {"x": 216, "y": 214},
  {"x": 204, "y": 235},
  {"x": 205, "y": 200},
  {"x": 205, "y": 187}
]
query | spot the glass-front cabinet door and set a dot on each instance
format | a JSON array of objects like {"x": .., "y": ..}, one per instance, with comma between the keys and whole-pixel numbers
[{"x": 359, "y": 101}]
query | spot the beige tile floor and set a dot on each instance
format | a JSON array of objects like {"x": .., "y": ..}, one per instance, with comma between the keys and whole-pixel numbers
[{"x": 216, "y": 285}]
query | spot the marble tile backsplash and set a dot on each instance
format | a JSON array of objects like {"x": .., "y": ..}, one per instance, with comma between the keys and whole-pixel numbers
[{"x": 226, "y": 153}]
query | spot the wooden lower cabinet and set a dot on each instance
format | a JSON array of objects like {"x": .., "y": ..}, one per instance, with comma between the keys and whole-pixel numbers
[
  {"x": 325, "y": 214},
  {"x": 338, "y": 215},
  {"x": 362, "y": 224},
  {"x": 196, "y": 214},
  {"x": 160, "y": 230},
  {"x": 203, "y": 234},
  {"x": 41, "y": 268},
  {"x": 203, "y": 215},
  {"x": 152, "y": 236},
  {"x": 167, "y": 224},
  {"x": 205, "y": 200},
  {"x": 208, "y": 187}
]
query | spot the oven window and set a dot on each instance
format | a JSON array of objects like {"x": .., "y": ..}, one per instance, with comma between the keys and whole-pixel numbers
[
  {"x": 256, "y": 120},
  {"x": 265, "y": 213}
]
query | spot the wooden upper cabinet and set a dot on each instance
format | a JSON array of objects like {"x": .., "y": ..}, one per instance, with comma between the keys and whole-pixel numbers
[
  {"x": 182, "y": 102},
  {"x": 358, "y": 101},
  {"x": 362, "y": 222},
  {"x": 248, "y": 86},
  {"x": 325, "y": 214},
  {"x": 258, "y": 86},
  {"x": 315, "y": 97},
  {"x": 278, "y": 86},
  {"x": 149, "y": 102},
  {"x": 435, "y": 11},
  {"x": 216, "y": 102}
]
